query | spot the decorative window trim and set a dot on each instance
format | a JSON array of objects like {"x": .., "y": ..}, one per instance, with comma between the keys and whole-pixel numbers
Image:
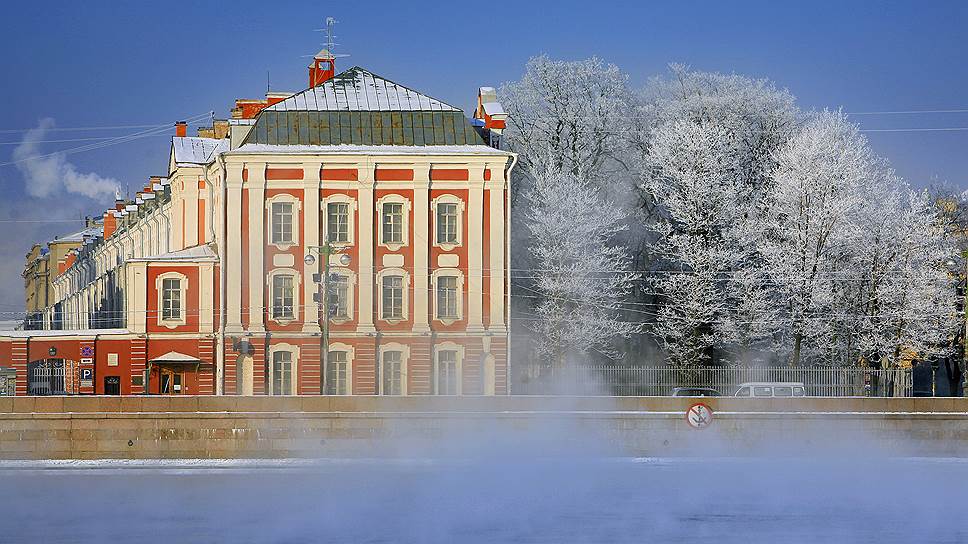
[
  {"x": 448, "y": 346},
  {"x": 404, "y": 363},
  {"x": 350, "y": 353},
  {"x": 448, "y": 273},
  {"x": 405, "y": 310},
  {"x": 297, "y": 209},
  {"x": 296, "y": 283},
  {"x": 340, "y": 198},
  {"x": 292, "y": 349},
  {"x": 183, "y": 288},
  {"x": 405, "y": 228},
  {"x": 449, "y": 199}
]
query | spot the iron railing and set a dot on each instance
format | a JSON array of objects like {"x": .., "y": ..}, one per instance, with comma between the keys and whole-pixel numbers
[{"x": 661, "y": 381}]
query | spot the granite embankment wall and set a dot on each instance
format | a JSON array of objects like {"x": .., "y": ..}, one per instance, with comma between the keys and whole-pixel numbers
[{"x": 307, "y": 427}]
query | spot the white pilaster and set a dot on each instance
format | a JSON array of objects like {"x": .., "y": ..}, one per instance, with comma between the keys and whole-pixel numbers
[
  {"x": 367, "y": 234},
  {"x": 475, "y": 250},
  {"x": 311, "y": 213},
  {"x": 233, "y": 257},
  {"x": 421, "y": 247},
  {"x": 497, "y": 265},
  {"x": 256, "y": 186}
]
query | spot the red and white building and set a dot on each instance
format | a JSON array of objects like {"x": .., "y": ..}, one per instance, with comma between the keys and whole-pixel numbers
[{"x": 201, "y": 285}]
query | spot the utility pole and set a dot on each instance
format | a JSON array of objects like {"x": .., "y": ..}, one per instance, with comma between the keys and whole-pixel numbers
[{"x": 322, "y": 280}]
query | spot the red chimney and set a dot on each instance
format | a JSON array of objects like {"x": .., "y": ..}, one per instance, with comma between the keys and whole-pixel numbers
[
  {"x": 322, "y": 69},
  {"x": 110, "y": 224},
  {"x": 181, "y": 129}
]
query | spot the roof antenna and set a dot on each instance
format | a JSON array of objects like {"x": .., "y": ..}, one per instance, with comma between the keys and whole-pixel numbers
[{"x": 267, "y": 82}]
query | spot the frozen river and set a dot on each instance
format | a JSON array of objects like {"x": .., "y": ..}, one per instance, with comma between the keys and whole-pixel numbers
[{"x": 548, "y": 500}]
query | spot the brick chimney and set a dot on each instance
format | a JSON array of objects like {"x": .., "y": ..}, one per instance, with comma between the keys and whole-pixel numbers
[
  {"x": 322, "y": 69},
  {"x": 110, "y": 224},
  {"x": 181, "y": 129}
]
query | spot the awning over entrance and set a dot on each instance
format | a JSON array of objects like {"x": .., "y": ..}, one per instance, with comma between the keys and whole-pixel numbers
[{"x": 175, "y": 358}]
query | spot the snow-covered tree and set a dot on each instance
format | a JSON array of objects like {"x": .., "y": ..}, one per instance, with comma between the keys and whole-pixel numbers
[
  {"x": 581, "y": 276},
  {"x": 572, "y": 116}
]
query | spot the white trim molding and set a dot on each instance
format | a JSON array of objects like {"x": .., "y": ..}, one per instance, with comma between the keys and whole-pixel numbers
[
  {"x": 394, "y": 198},
  {"x": 404, "y": 360},
  {"x": 405, "y": 309},
  {"x": 448, "y": 346},
  {"x": 182, "y": 302},
  {"x": 340, "y": 198},
  {"x": 448, "y": 273},
  {"x": 284, "y": 198},
  {"x": 293, "y": 372},
  {"x": 448, "y": 199}
]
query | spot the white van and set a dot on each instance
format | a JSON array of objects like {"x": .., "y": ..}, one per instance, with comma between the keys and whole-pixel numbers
[{"x": 771, "y": 389}]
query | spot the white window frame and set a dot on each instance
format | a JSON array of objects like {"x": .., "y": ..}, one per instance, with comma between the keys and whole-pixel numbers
[
  {"x": 351, "y": 217},
  {"x": 296, "y": 219},
  {"x": 270, "y": 287},
  {"x": 350, "y": 352},
  {"x": 183, "y": 287},
  {"x": 404, "y": 363},
  {"x": 294, "y": 371},
  {"x": 405, "y": 232},
  {"x": 449, "y": 199},
  {"x": 448, "y": 346},
  {"x": 405, "y": 311},
  {"x": 448, "y": 273},
  {"x": 350, "y": 294}
]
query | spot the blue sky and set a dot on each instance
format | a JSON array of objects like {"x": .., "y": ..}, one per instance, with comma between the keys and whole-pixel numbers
[{"x": 85, "y": 64}]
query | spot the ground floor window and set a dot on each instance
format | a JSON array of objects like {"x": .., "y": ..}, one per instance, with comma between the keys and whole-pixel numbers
[
  {"x": 337, "y": 373},
  {"x": 282, "y": 373},
  {"x": 446, "y": 373},
  {"x": 391, "y": 370}
]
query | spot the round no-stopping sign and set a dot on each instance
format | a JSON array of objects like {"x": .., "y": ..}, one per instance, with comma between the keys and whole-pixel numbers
[{"x": 699, "y": 416}]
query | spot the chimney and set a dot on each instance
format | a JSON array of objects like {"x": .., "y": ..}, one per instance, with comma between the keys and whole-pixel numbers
[
  {"x": 322, "y": 69},
  {"x": 490, "y": 116},
  {"x": 110, "y": 224},
  {"x": 181, "y": 129}
]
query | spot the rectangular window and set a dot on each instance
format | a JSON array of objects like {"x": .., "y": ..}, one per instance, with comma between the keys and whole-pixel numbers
[
  {"x": 447, "y": 297},
  {"x": 446, "y": 376},
  {"x": 282, "y": 222},
  {"x": 171, "y": 299},
  {"x": 393, "y": 297},
  {"x": 282, "y": 373},
  {"x": 447, "y": 217},
  {"x": 337, "y": 373},
  {"x": 391, "y": 370},
  {"x": 339, "y": 296},
  {"x": 393, "y": 223},
  {"x": 282, "y": 297},
  {"x": 338, "y": 222}
]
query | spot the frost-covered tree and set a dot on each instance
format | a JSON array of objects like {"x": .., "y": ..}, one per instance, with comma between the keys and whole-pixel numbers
[
  {"x": 581, "y": 276},
  {"x": 571, "y": 116}
]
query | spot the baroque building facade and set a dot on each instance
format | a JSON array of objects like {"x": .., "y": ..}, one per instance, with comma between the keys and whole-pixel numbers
[{"x": 388, "y": 205}]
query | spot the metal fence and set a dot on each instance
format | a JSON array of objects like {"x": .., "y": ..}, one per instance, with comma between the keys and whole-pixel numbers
[{"x": 660, "y": 381}]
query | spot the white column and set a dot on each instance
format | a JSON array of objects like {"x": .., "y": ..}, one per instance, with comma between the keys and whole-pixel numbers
[
  {"x": 233, "y": 254},
  {"x": 475, "y": 250},
  {"x": 421, "y": 247},
  {"x": 191, "y": 212},
  {"x": 256, "y": 186},
  {"x": 311, "y": 213},
  {"x": 367, "y": 235},
  {"x": 496, "y": 252}
]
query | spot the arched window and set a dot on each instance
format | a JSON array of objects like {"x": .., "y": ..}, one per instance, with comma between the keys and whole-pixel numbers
[
  {"x": 283, "y": 378},
  {"x": 448, "y": 366}
]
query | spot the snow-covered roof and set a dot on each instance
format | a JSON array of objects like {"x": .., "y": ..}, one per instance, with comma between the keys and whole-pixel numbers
[
  {"x": 493, "y": 108},
  {"x": 201, "y": 253},
  {"x": 77, "y": 236},
  {"x": 346, "y": 149},
  {"x": 357, "y": 89},
  {"x": 194, "y": 150}
]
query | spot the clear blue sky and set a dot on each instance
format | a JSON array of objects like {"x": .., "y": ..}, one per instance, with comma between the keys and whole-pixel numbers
[{"x": 134, "y": 63}]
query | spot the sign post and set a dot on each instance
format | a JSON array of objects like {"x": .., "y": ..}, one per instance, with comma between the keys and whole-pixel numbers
[{"x": 699, "y": 416}]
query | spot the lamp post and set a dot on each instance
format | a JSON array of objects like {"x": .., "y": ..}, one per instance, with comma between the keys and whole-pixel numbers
[{"x": 322, "y": 297}]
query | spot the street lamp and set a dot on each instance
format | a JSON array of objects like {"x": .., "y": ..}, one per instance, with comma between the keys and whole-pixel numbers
[{"x": 322, "y": 297}]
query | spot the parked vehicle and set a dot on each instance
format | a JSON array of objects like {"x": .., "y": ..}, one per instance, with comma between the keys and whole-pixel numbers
[
  {"x": 695, "y": 392},
  {"x": 771, "y": 389}
]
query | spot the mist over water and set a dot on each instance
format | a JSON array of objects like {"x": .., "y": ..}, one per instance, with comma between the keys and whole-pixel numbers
[{"x": 554, "y": 480}]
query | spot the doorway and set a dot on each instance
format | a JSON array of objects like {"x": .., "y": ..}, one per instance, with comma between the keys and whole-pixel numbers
[
  {"x": 112, "y": 385},
  {"x": 171, "y": 382}
]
